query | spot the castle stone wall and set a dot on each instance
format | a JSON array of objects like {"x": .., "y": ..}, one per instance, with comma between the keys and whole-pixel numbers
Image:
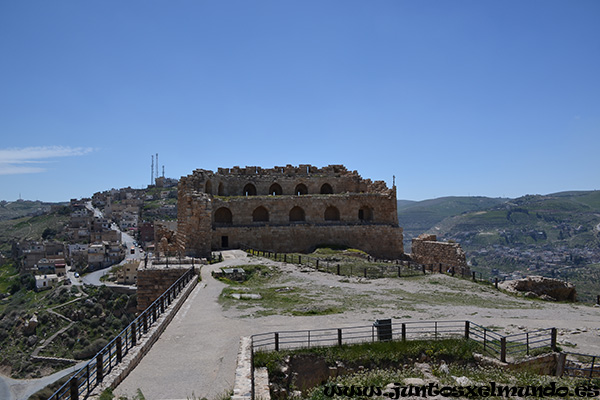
[
  {"x": 288, "y": 208},
  {"x": 378, "y": 240},
  {"x": 427, "y": 250}
]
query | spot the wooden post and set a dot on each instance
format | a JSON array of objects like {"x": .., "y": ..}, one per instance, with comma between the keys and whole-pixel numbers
[
  {"x": 119, "y": 349},
  {"x": 338, "y": 269},
  {"x": 404, "y": 332},
  {"x": 75, "y": 388},
  {"x": 503, "y": 349},
  {"x": 300, "y": 260},
  {"x": 424, "y": 273},
  {"x": 441, "y": 272},
  {"x": 285, "y": 258},
  {"x": 317, "y": 264},
  {"x": 474, "y": 279},
  {"x": 496, "y": 282},
  {"x": 276, "y": 341},
  {"x": 339, "y": 336},
  {"x": 365, "y": 271},
  {"x": 467, "y": 329},
  {"x": 399, "y": 271}
]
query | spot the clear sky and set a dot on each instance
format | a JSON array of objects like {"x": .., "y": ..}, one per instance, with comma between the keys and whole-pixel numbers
[{"x": 491, "y": 98}]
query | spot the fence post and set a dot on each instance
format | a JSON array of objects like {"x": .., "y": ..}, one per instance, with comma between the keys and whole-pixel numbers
[
  {"x": 99, "y": 368},
  {"x": 527, "y": 342},
  {"x": 496, "y": 282},
  {"x": 474, "y": 279},
  {"x": 300, "y": 260},
  {"x": 399, "y": 275},
  {"x": 276, "y": 341},
  {"x": 441, "y": 272},
  {"x": 598, "y": 299},
  {"x": 75, "y": 388},
  {"x": 133, "y": 334},
  {"x": 145, "y": 322},
  {"x": 285, "y": 258},
  {"x": 338, "y": 269},
  {"x": 119, "y": 349},
  {"x": 503, "y": 349},
  {"x": 365, "y": 271},
  {"x": 162, "y": 305},
  {"x": 87, "y": 377},
  {"x": 154, "y": 312},
  {"x": 339, "y": 336},
  {"x": 592, "y": 367},
  {"x": 553, "y": 339},
  {"x": 467, "y": 329},
  {"x": 404, "y": 332},
  {"x": 424, "y": 273}
]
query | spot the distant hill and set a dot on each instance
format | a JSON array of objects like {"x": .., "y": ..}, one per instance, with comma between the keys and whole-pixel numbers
[
  {"x": 23, "y": 208},
  {"x": 417, "y": 217},
  {"x": 554, "y": 235}
]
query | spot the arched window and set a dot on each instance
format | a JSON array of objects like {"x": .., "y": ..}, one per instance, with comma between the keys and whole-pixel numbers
[
  {"x": 326, "y": 189},
  {"x": 260, "y": 214},
  {"x": 301, "y": 189},
  {"x": 249, "y": 190},
  {"x": 223, "y": 216},
  {"x": 296, "y": 214},
  {"x": 208, "y": 187},
  {"x": 365, "y": 213},
  {"x": 221, "y": 190},
  {"x": 275, "y": 190},
  {"x": 332, "y": 214}
]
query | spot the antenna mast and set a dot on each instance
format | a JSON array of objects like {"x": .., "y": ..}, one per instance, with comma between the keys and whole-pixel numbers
[
  {"x": 152, "y": 171},
  {"x": 157, "y": 165}
]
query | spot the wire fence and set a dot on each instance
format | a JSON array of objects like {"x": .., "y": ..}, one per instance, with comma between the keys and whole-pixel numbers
[
  {"x": 378, "y": 268},
  {"x": 84, "y": 381}
]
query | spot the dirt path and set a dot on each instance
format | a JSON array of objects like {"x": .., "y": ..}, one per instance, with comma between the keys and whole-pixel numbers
[{"x": 196, "y": 354}]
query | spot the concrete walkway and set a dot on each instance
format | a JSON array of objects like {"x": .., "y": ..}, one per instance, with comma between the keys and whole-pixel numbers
[{"x": 196, "y": 354}]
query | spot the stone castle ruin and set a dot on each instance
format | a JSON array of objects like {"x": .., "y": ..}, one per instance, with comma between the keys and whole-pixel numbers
[{"x": 286, "y": 209}]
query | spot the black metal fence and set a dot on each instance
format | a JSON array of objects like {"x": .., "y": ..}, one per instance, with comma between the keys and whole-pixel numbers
[
  {"x": 81, "y": 384},
  {"x": 493, "y": 343},
  {"x": 582, "y": 365}
]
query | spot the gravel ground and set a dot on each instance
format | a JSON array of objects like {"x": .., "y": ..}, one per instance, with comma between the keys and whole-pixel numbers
[{"x": 195, "y": 356}]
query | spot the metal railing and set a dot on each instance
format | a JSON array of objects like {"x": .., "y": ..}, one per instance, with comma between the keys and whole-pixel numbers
[
  {"x": 582, "y": 365},
  {"x": 492, "y": 342},
  {"x": 84, "y": 381}
]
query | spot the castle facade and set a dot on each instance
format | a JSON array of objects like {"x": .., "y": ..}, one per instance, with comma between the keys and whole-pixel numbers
[{"x": 286, "y": 209}]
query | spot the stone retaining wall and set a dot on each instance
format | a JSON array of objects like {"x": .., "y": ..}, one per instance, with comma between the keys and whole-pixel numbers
[{"x": 154, "y": 281}]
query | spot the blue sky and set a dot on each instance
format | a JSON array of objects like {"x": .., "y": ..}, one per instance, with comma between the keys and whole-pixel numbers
[{"x": 491, "y": 98}]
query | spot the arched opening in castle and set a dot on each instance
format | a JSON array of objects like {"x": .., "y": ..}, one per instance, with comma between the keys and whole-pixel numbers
[{"x": 286, "y": 209}]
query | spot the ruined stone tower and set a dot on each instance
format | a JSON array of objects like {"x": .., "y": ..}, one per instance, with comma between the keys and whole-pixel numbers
[{"x": 286, "y": 209}]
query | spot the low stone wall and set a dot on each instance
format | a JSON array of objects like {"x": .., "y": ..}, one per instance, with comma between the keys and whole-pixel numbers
[
  {"x": 154, "y": 281},
  {"x": 242, "y": 386},
  {"x": 428, "y": 251}
]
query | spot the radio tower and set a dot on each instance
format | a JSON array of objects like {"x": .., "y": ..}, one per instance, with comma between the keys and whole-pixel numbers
[
  {"x": 163, "y": 171},
  {"x": 152, "y": 171},
  {"x": 157, "y": 165}
]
